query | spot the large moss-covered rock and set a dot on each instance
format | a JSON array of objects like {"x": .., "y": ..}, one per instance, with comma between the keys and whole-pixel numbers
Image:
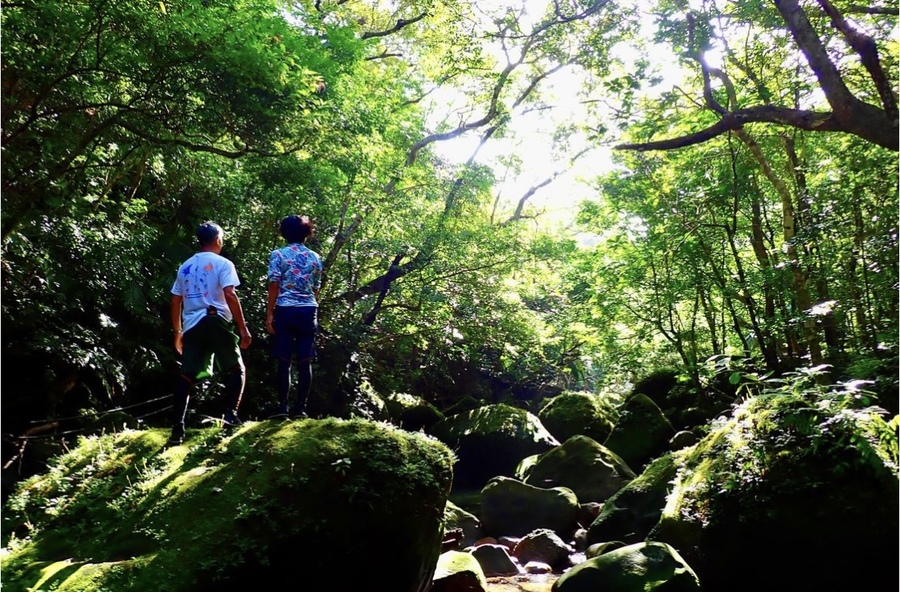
[
  {"x": 642, "y": 567},
  {"x": 455, "y": 571},
  {"x": 657, "y": 385},
  {"x": 512, "y": 508},
  {"x": 490, "y": 441},
  {"x": 591, "y": 470},
  {"x": 632, "y": 512},
  {"x": 684, "y": 405},
  {"x": 575, "y": 413},
  {"x": 801, "y": 489},
  {"x": 250, "y": 510},
  {"x": 641, "y": 434},
  {"x": 411, "y": 412}
]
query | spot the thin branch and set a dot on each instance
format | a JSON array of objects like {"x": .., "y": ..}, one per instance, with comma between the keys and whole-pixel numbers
[
  {"x": 398, "y": 26},
  {"x": 384, "y": 55},
  {"x": 858, "y": 9}
]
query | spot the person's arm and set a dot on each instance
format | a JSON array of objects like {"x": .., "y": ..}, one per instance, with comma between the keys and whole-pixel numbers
[
  {"x": 234, "y": 305},
  {"x": 175, "y": 313},
  {"x": 271, "y": 298}
]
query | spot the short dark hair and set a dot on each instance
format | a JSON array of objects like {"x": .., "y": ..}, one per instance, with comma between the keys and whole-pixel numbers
[
  {"x": 296, "y": 229},
  {"x": 208, "y": 232}
]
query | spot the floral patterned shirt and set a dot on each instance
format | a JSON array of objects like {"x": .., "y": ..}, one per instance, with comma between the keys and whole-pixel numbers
[{"x": 298, "y": 272}]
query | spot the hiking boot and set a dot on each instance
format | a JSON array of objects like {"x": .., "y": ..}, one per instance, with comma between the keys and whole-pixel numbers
[
  {"x": 177, "y": 436},
  {"x": 282, "y": 412},
  {"x": 231, "y": 420}
]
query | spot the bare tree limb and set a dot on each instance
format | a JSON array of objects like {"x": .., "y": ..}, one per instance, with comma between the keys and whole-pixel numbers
[
  {"x": 814, "y": 121},
  {"x": 849, "y": 114}
]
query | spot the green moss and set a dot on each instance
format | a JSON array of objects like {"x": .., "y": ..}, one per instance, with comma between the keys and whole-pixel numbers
[
  {"x": 509, "y": 434},
  {"x": 795, "y": 477},
  {"x": 571, "y": 414},
  {"x": 641, "y": 433},
  {"x": 135, "y": 515},
  {"x": 457, "y": 562},
  {"x": 411, "y": 412}
]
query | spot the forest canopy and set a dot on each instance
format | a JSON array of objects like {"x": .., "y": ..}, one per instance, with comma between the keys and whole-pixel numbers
[{"x": 740, "y": 211}]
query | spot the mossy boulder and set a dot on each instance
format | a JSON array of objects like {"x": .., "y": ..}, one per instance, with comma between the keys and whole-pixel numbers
[
  {"x": 248, "y": 510},
  {"x": 657, "y": 385},
  {"x": 456, "y": 517},
  {"x": 591, "y": 470},
  {"x": 684, "y": 405},
  {"x": 457, "y": 570},
  {"x": 512, "y": 508},
  {"x": 575, "y": 413},
  {"x": 641, "y": 434},
  {"x": 523, "y": 469},
  {"x": 632, "y": 512},
  {"x": 642, "y": 567},
  {"x": 808, "y": 490},
  {"x": 463, "y": 404},
  {"x": 490, "y": 441},
  {"x": 411, "y": 412}
]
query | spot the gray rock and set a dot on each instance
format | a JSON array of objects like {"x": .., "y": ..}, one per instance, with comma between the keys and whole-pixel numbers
[
  {"x": 545, "y": 546},
  {"x": 683, "y": 439},
  {"x": 536, "y": 567}
]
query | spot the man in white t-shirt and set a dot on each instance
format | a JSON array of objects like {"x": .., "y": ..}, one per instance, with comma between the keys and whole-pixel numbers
[{"x": 204, "y": 310}]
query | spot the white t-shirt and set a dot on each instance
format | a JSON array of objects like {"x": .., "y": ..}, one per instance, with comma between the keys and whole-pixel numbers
[{"x": 201, "y": 283}]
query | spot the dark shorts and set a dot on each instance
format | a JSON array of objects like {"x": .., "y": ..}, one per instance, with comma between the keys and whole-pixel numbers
[
  {"x": 210, "y": 345},
  {"x": 295, "y": 332}
]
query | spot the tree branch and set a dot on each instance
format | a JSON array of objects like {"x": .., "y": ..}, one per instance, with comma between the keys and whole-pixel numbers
[
  {"x": 400, "y": 24},
  {"x": 867, "y": 50},
  {"x": 814, "y": 121}
]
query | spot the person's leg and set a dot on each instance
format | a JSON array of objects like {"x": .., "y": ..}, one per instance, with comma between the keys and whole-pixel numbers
[
  {"x": 229, "y": 361},
  {"x": 195, "y": 361},
  {"x": 281, "y": 350},
  {"x": 307, "y": 326},
  {"x": 235, "y": 380},
  {"x": 304, "y": 384},
  {"x": 179, "y": 407}
]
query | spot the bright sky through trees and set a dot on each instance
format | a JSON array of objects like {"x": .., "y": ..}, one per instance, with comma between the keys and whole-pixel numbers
[{"x": 529, "y": 140}]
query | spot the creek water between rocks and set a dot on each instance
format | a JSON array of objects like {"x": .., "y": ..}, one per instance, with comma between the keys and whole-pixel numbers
[{"x": 522, "y": 583}]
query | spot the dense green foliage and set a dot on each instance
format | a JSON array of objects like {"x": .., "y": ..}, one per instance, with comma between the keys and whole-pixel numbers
[{"x": 749, "y": 254}]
